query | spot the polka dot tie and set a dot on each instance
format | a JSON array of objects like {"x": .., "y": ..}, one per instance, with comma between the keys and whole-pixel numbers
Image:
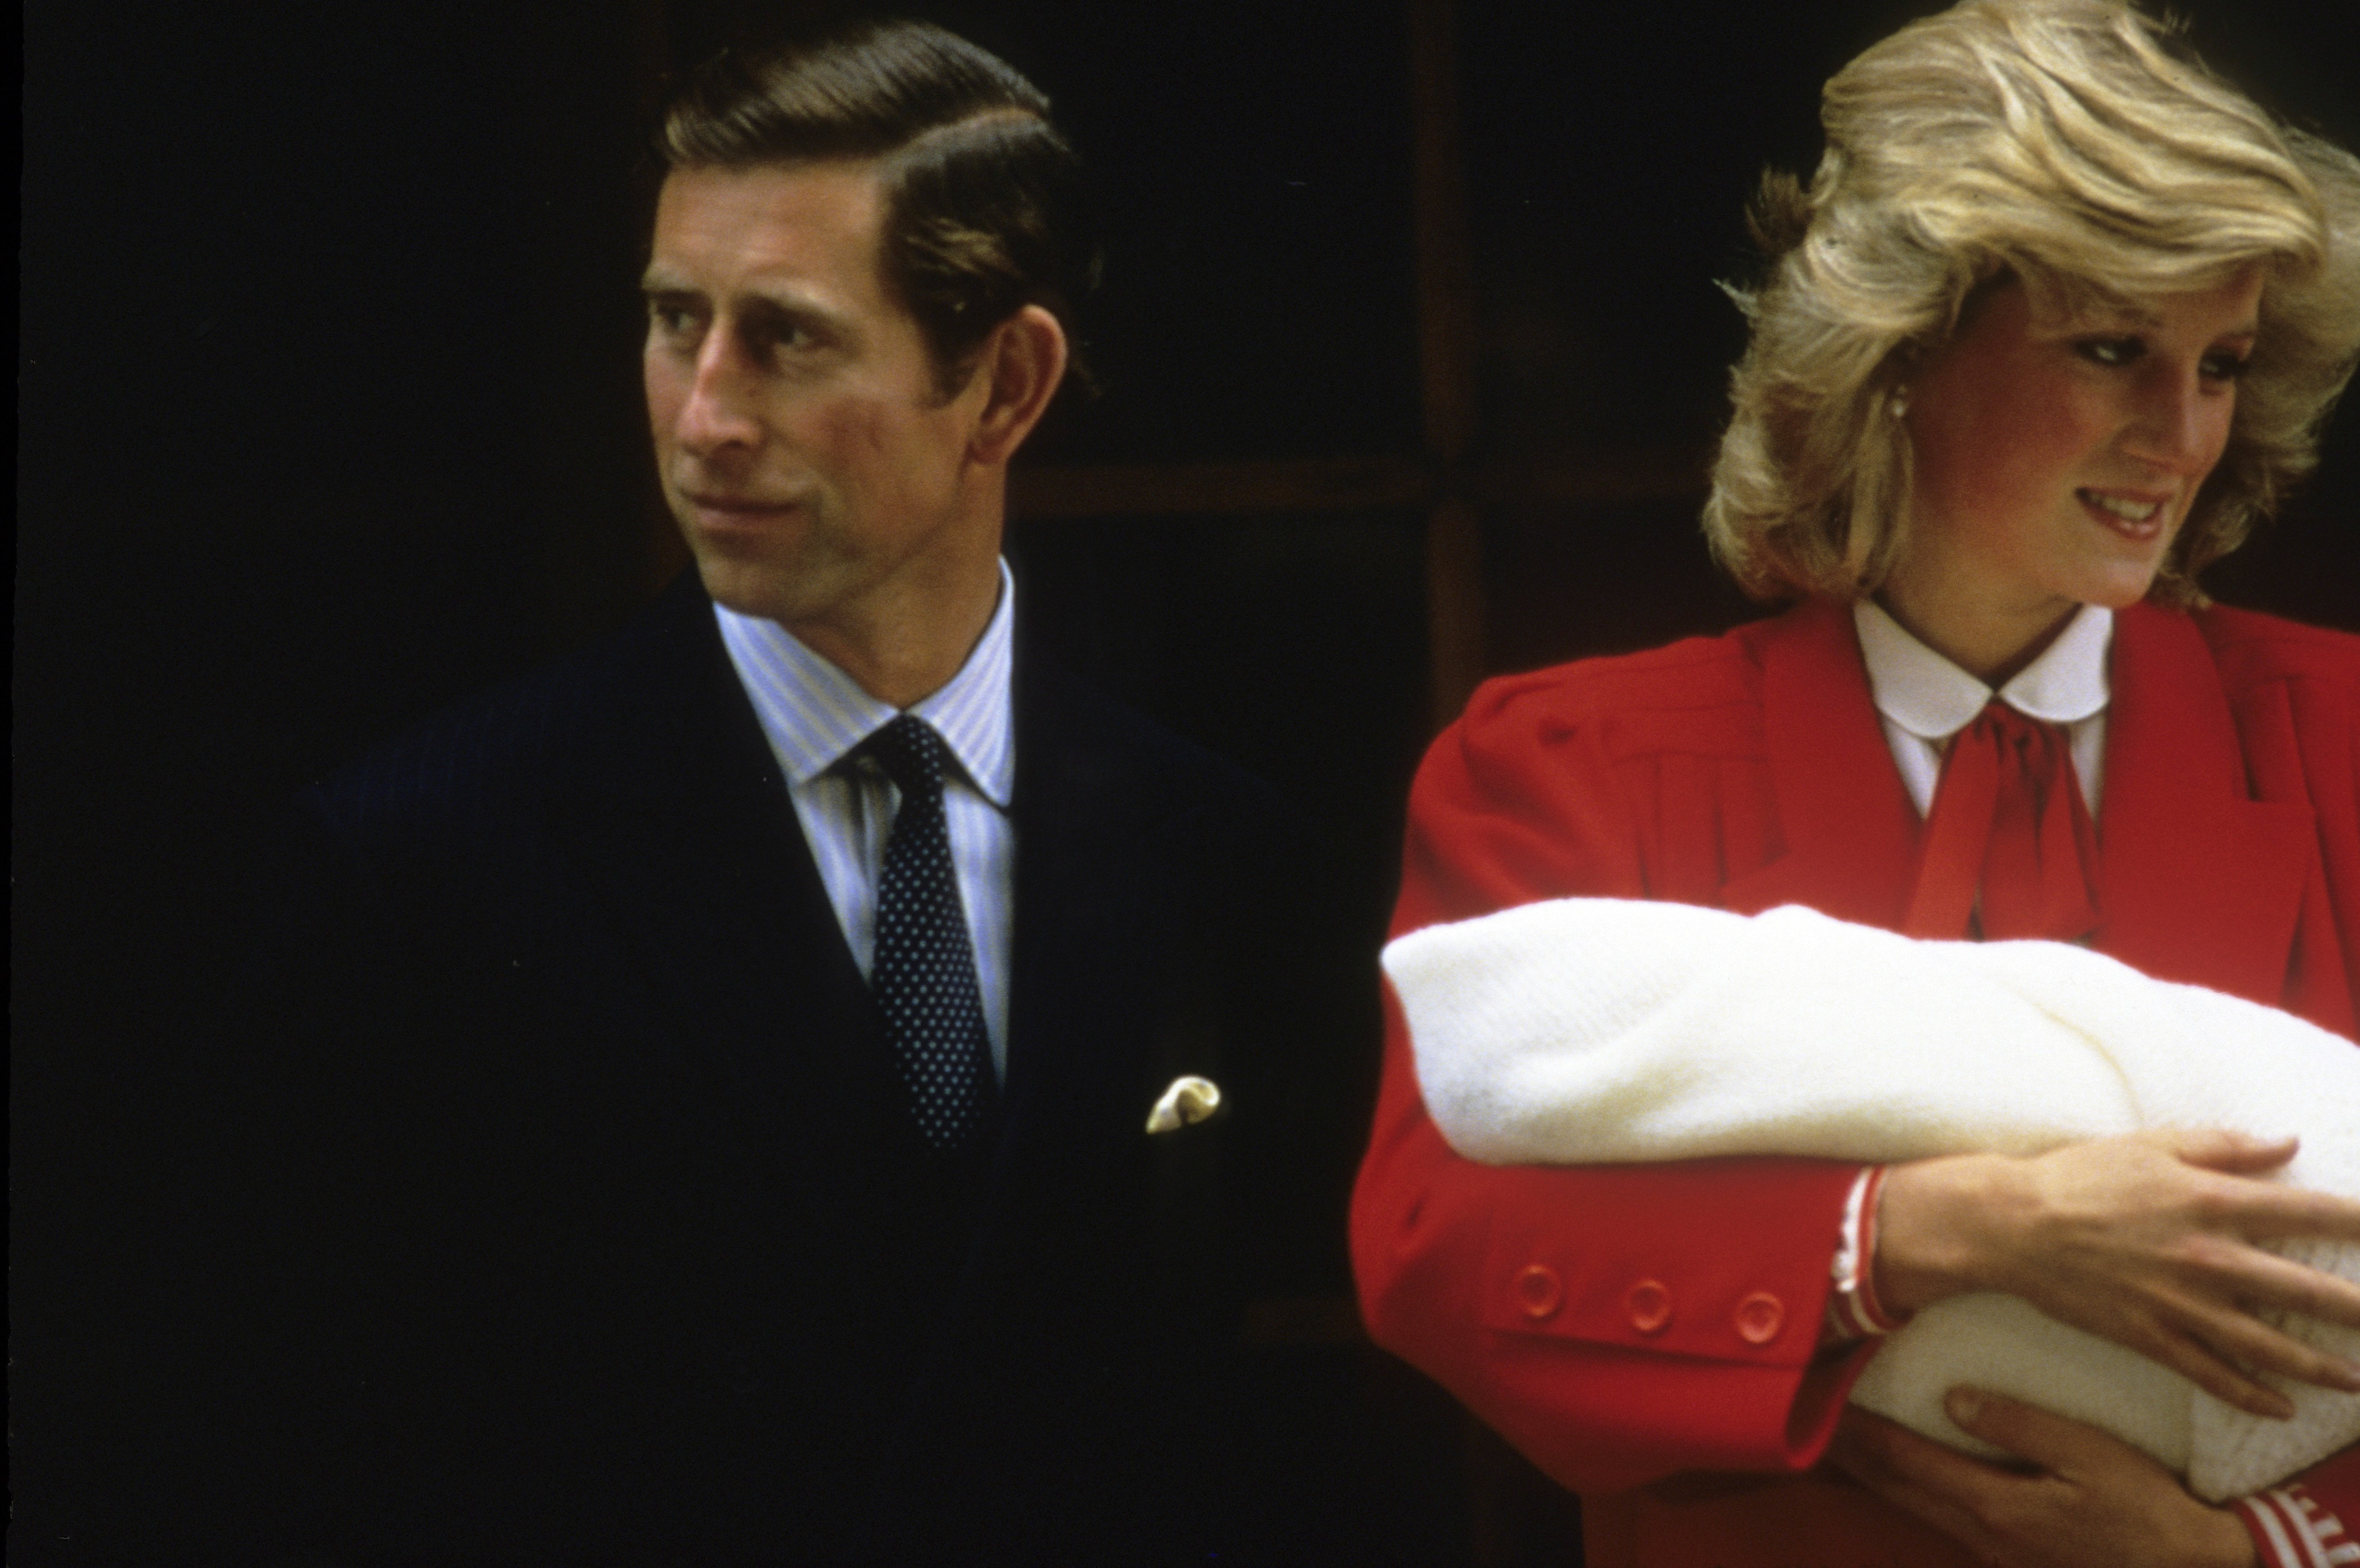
[{"x": 924, "y": 969}]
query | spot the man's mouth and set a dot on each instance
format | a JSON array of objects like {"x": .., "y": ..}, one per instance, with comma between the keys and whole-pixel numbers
[
  {"x": 734, "y": 504},
  {"x": 726, "y": 513}
]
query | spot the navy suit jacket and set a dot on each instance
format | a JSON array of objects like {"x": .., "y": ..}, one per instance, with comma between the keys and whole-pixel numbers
[{"x": 580, "y": 1218}]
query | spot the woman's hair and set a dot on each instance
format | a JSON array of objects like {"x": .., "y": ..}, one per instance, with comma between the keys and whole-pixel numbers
[{"x": 2076, "y": 146}]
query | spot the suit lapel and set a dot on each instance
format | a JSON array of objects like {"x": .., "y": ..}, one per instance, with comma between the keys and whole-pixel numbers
[
  {"x": 1090, "y": 813},
  {"x": 1081, "y": 811},
  {"x": 1087, "y": 814},
  {"x": 1851, "y": 832},
  {"x": 2198, "y": 882},
  {"x": 706, "y": 866}
]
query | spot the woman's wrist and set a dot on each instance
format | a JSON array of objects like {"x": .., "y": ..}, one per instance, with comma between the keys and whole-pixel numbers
[
  {"x": 2237, "y": 1550},
  {"x": 1938, "y": 1221}
]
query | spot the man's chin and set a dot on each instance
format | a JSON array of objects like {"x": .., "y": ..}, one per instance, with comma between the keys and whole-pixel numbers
[{"x": 749, "y": 587}]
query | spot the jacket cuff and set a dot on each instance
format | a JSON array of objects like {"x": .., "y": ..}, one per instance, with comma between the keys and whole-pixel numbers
[
  {"x": 1854, "y": 1311},
  {"x": 2291, "y": 1530}
]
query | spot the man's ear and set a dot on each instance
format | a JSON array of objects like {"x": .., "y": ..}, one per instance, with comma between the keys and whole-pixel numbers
[{"x": 1021, "y": 363}]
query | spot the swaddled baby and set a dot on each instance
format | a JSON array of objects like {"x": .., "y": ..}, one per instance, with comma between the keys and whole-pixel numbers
[{"x": 1585, "y": 1031}]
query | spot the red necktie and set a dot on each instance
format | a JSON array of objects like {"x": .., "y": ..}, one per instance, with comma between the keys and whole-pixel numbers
[{"x": 2009, "y": 850}]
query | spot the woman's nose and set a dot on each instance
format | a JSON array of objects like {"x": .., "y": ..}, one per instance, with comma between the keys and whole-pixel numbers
[{"x": 2180, "y": 424}]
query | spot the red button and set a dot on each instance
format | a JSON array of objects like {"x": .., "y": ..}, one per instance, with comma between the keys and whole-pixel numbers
[
  {"x": 1537, "y": 1291},
  {"x": 1650, "y": 1306},
  {"x": 1759, "y": 1317}
]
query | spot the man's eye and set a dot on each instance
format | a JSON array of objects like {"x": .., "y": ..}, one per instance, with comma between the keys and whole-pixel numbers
[
  {"x": 2110, "y": 350},
  {"x": 672, "y": 320},
  {"x": 781, "y": 338}
]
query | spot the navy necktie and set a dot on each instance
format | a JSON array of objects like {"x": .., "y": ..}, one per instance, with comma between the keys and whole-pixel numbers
[{"x": 924, "y": 969}]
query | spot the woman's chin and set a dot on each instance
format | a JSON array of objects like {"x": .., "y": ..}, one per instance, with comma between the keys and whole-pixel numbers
[{"x": 2120, "y": 588}]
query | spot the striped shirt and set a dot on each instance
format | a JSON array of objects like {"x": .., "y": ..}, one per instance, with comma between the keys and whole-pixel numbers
[{"x": 814, "y": 716}]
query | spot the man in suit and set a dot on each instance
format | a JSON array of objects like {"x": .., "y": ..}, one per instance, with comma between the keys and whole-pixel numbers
[{"x": 715, "y": 1123}]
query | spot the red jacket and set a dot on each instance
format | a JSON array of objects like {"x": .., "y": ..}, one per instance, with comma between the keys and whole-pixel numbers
[{"x": 1608, "y": 1320}]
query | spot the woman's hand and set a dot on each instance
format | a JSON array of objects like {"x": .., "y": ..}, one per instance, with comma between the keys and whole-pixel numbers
[
  {"x": 2095, "y": 1502},
  {"x": 2147, "y": 1239}
]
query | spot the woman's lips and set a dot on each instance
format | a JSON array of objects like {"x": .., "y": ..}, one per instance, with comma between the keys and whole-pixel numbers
[{"x": 2136, "y": 516}]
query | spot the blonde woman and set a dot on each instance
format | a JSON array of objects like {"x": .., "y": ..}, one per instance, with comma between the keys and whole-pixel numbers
[{"x": 2056, "y": 320}]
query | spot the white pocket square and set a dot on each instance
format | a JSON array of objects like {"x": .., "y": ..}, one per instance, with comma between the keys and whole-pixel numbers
[{"x": 1188, "y": 1100}]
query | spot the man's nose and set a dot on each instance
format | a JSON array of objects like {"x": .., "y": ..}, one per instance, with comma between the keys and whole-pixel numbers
[{"x": 719, "y": 412}]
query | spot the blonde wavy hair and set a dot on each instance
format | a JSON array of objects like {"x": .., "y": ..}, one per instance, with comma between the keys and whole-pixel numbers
[{"x": 2076, "y": 146}]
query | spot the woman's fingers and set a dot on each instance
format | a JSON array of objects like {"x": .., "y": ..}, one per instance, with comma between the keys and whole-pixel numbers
[
  {"x": 2159, "y": 1254},
  {"x": 1943, "y": 1488},
  {"x": 2242, "y": 1272},
  {"x": 2219, "y": 1347},
  {"x": 2267, "y": 1211},
  {"x": 2222, "y": 1149},
  {"x": 2229, "y": 1335},
  {"x": 2059, "y": 1445},
  {"x": 2093, "y": 1502},
  {"x": 2222, "y": 1191},
  {"x": 2195, "y": 1359},
  {"x": 2147, "y": 1239}
]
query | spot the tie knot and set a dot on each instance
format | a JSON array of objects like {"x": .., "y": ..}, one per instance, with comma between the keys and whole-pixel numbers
[
  {"x": 2009, "y": 850},
  {"x": 912, "y": 754},
  {"x": 2015, "y": 730}
]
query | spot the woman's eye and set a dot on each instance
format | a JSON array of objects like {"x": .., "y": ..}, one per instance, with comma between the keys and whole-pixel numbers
[
  {"x": 2224, "y": 366},
  {"x": 2110, "y": 350}
]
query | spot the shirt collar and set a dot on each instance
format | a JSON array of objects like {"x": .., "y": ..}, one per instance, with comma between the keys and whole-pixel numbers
[
  {"x": 813, "y": 715},
  {"x": 1933, "y": 700}
]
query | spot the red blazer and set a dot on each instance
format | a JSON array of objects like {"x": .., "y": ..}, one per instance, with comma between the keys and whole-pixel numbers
[{"x": 1611, "y": 1320}]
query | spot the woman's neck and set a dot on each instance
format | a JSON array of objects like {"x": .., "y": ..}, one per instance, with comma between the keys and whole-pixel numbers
[{"x": 1990, "y": 636}]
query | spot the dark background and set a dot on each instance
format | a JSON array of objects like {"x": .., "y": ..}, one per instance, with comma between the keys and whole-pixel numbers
[{"x": 330, "y": 414}]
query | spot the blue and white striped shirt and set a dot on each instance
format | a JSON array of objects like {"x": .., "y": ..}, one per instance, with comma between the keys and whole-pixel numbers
[{"x": 814, "y": 715}]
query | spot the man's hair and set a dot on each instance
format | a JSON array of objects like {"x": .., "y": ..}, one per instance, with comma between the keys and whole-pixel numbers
[
  {"x": 2076, "y": 147},
  {"x": 983, "y": 199}
]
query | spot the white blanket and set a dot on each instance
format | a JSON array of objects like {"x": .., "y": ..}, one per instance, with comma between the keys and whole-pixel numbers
[{"x": 1596, "y": 1030}]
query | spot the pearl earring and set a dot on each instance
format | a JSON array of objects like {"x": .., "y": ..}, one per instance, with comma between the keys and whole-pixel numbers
[{"x": 1899, "y": 403}]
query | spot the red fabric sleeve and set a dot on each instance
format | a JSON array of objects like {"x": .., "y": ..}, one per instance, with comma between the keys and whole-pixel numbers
[
  {"x": 2302, "y": 1524},
  {"x": 2334, "y": 1486},
  {"x": 2296, "y": 697},
  {"x": 1616, "y": 1323}
]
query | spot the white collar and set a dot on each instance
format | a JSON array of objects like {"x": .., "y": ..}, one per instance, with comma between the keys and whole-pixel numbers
[
  {"x": 813, "y": 714},
  {"x": 1933, "y": 700}
]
